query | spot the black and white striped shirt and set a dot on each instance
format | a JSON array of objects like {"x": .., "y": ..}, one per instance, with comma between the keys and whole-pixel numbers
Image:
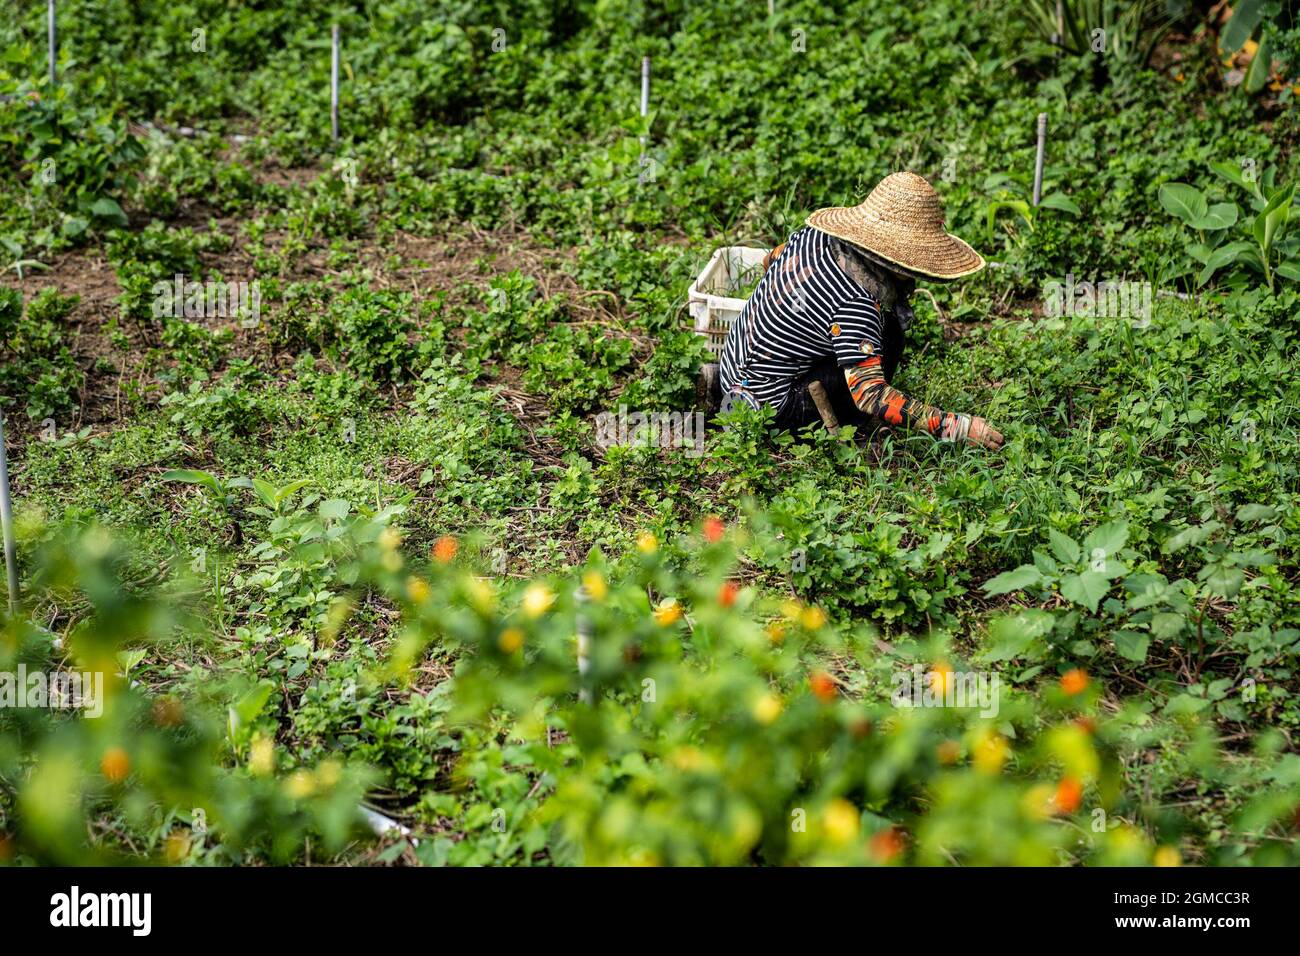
[{"x": 804, "y": 310}]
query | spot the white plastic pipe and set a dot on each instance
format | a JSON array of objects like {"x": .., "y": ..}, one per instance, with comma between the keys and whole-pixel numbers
[
  {"x": 334, "y": 83},
  {"x": 645, "y": 98},
  {"x": 1038, "y": 160},
  {"x": 53, "y": 42},
  {"x": 645, "y": 85},
  {"x": 381, "y": 825}
]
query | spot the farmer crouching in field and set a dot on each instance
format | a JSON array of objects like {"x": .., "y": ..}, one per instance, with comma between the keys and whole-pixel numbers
[{"x": 831, "y": 313}]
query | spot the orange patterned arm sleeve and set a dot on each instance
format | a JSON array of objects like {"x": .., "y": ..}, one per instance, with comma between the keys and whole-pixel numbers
[{"x": 875, "y": 396}]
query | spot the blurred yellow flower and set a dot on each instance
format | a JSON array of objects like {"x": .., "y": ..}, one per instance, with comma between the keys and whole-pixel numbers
[
  {"x": 329, "y": 773},
  {"x": 481, "y": 593},
  {"x": 510, "y": 640},
  {"x": 390, "y": 538},
  {"x": 1073, "y": 746},
  {"x": 647, "y": 543},
  {"x": 300, "y": 784},
  {"x": 538, "y": 599},
  {"x": 668, "y": 613},
  {"x": 767, "y": 708},
  {"x": 791, "y": 610},
  {"x": 1123, "y": 845},
  {"x": 941, "y": 677},
  {"x": 841, "y": 820},
  {"x": 417, "y": 590},
  {"x": 176, "y": 847},
  {"x": 595, "y": 584},
  {"x": 1168, "y": 856},
  {"x": 687, "y": 758},
  {"x": 991, "y": 753},
  {"x": 1037, "y": 802},
  {"x": 261, "y": 756},
  {"x": 813, "y": 618}
]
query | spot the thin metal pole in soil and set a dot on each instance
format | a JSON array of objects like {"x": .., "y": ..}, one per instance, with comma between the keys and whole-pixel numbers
[
  {"x": 53, "y": 34},
  {"x": 645, "y": 98},
  {"x": 1038, "y": 160},
  {"x": 7, "y": 517},
  {"x": 334, "y": 84}
]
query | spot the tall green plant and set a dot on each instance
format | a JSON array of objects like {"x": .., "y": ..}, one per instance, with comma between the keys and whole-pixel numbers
[
  {"x": 1128, "y": 31},
  {"x": 1266, "y": 248}
]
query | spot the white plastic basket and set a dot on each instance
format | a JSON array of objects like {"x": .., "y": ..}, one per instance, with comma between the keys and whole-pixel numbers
[{"x": 712, "y": 297}]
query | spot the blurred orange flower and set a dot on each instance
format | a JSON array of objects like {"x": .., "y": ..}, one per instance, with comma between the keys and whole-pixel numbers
[
  {"x": 115, "y": 764},
  {"x": 1069, "y": 795},
  {"x": 1074, "y": 681},
  {"x": 886, "y": 844},
  {"x": 823, "y": 685},
  {"x": 445, "y": 548}
]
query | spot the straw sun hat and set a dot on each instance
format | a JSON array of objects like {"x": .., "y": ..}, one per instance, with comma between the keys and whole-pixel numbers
[{"x": 901, "y": 224}]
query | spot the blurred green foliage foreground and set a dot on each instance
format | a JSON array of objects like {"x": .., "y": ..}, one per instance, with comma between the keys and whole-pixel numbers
[{"x": 695, "y": 722}]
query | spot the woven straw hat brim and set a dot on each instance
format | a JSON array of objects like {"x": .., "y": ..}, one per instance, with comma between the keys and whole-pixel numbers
[
  {"x": 932, "y": 253},
  {"x": 901, "y": 222}
]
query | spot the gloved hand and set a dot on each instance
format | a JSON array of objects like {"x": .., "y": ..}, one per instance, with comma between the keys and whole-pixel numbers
[{"x": 983, "y": 434}]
